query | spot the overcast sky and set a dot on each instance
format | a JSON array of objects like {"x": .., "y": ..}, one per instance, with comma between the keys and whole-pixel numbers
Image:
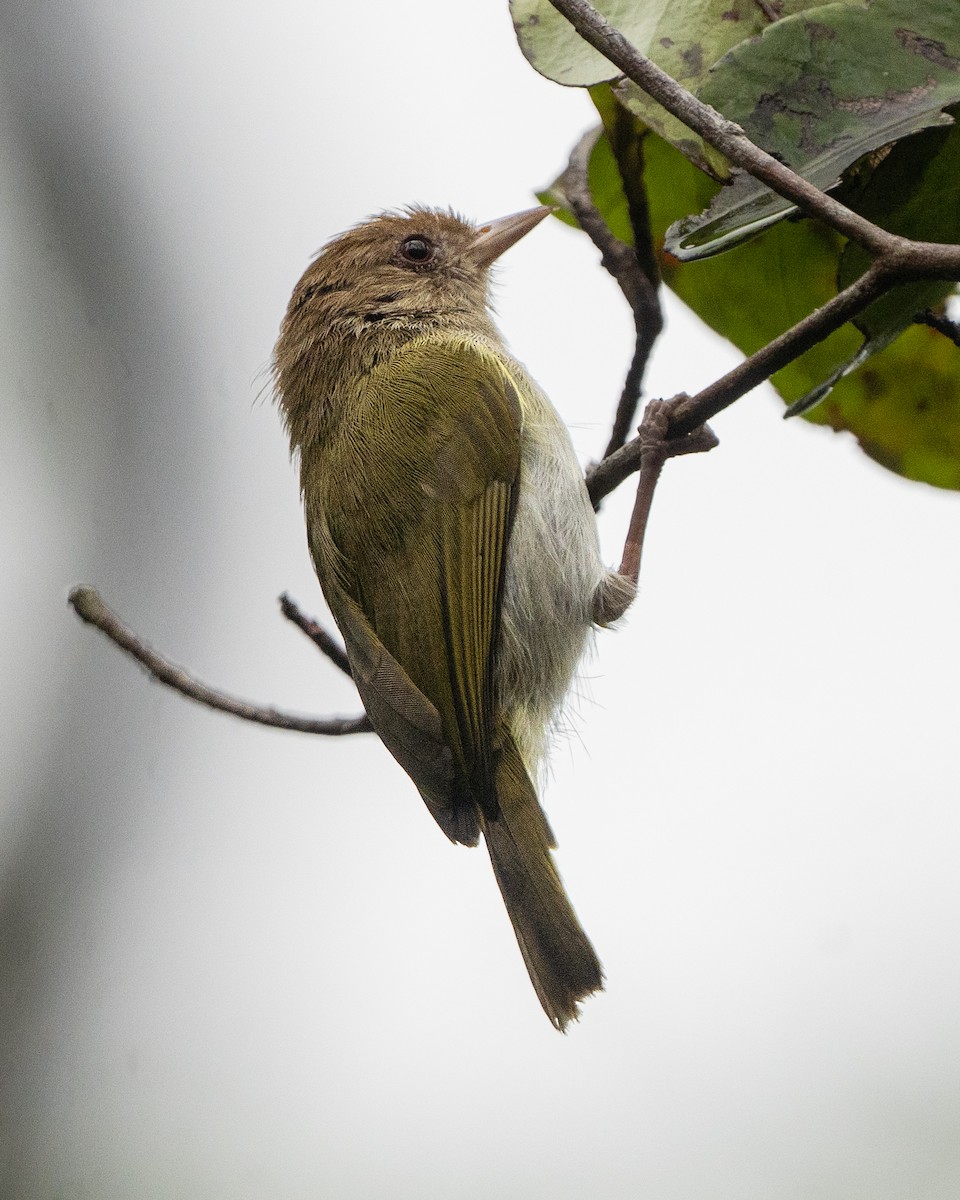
[{"x": 239, "y": 963}]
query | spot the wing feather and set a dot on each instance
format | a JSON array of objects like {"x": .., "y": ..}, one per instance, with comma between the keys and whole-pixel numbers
[{"x": 419, "y": 506}]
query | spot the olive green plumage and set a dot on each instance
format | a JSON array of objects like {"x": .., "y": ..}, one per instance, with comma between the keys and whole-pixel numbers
[{"x": 451, "y": 533}]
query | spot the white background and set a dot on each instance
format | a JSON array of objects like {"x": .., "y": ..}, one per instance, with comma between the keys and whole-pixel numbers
[{"x": 243, "y": 963}]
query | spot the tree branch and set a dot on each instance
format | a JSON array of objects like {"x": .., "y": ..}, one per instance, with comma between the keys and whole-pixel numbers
[
  {"x": 316, "y": 633},
  {"x": 694, "y": 411},
  {"x": 624, "y": 263},
  {"x": 88, "y": 605}
]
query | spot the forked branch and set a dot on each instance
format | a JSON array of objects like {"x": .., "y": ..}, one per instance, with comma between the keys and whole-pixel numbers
[{"x": 88, "y": 605}]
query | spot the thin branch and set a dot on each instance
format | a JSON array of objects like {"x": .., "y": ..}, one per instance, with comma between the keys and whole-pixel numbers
[
  {"x": 920, "y": 259},
  {"x": 696, "y": 410},
  {"x": 324, "y": 642},
  {"x": 768, "y": 10},
  {"x": 626, "y": 143},
  {"x": 88, "y": 605},
  {"x": 627, "y": 135},
  {"x": 942, "y": 324},
  {"x": 782, "y": 350},
  {"x": 623, "y": 263}
]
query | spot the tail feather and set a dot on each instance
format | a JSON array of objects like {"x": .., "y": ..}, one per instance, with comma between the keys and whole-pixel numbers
[{"x": 560, "y": 960}]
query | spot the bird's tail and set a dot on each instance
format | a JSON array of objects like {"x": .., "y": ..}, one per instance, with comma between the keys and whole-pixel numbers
[{"x": 562, "y": 964}]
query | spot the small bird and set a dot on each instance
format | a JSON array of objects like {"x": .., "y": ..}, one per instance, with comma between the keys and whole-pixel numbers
[{"x": 451, "y": 531}]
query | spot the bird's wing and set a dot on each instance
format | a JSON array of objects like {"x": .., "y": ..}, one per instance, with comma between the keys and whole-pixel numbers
[{"x": 419, "y": 507}]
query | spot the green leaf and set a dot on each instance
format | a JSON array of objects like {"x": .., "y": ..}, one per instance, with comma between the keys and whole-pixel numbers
[
  {"x": 689, "y": 38},
  {"x": 749, "y": 296},
  {"x": 554, "y": 48},
  {"x": 913, "y": 191},
  {"x": 903, "y": 407},
  {"x": 606, "y": 191},
  {"x": 821, "y": 89},
  {"x": 757, "y": 292},
  {"x": 683, "y": 37},
  {"x": 903, "y": 404}
]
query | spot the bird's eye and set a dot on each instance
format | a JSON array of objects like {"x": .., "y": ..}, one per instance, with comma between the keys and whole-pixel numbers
[{"x": 417, "y": 250}]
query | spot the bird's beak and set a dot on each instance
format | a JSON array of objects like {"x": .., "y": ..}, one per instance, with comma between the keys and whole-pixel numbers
[{"x": 496, "y": 236}]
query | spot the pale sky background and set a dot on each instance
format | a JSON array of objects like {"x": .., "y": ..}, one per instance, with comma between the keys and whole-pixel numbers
[{"x": 238, "y": 963}]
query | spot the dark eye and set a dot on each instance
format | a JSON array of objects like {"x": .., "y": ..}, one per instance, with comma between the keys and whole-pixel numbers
[{"x": 417, "y": 250}]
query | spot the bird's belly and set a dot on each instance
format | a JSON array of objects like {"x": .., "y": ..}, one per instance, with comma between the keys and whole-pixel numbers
[{"x": 553, "y": 569}]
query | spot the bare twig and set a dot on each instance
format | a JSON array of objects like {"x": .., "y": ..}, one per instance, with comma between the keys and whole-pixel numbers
[
  {"x": 627, "y": 136},
  {"x": 327, "y": 644},
  {"x": 942, "y": 324},
  {"x": 90, "y": 607},
  {"x": 624, "y": 264},
  {"x": 696, "y": 410}
]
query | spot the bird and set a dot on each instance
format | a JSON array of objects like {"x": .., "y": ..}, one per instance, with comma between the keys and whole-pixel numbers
[{"x": 454, "y": 541}]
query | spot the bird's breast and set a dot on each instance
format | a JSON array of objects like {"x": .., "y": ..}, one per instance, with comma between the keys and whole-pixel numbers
[{"x": 553, "y": 568}]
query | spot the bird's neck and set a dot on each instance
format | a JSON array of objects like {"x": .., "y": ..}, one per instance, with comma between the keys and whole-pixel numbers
[{"x": 319, "y": 366}]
